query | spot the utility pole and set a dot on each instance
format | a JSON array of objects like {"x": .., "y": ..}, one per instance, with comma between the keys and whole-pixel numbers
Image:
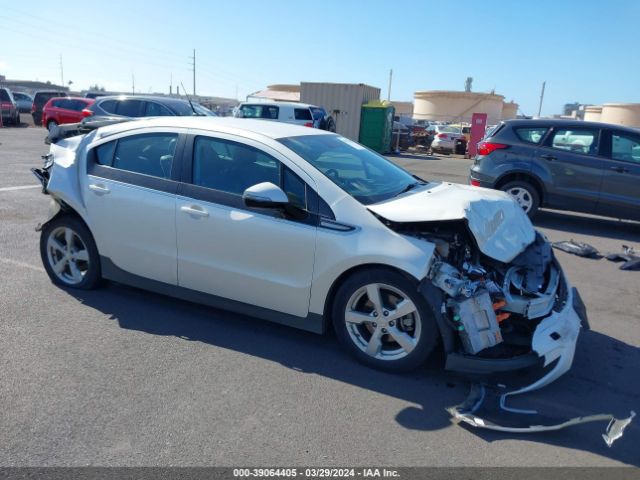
[
  {"x": 133, "y": 84},
  {"x": 541, "y": 98},
  {"x": 61, "y": 72},
  {"x": 193, "y": 64},
  {"x": 171, "y": 85},
  {"x": 390, "y": 79}
]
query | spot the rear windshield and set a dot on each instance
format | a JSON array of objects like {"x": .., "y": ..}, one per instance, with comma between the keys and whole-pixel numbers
[{"x": 4, "y": 95}]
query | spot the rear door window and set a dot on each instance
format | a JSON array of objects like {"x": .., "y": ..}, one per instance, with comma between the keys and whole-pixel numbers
[
  {"x": 625, "y": 147},
  {"x": 302, "y": 114},
  {"x": 148, "y": 154},
  {"x": 576, "y": 140},
  {"x": 109, "y": 106},
  {"x": 130, "y": 108},
  {"x": 531, "y": 134}
]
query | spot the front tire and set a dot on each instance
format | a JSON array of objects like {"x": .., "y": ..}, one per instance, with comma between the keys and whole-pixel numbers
[
  {"x": 69, "y": 253},
  {"x": 524, "y": 194},
  {"x": 381, "y": 318}
]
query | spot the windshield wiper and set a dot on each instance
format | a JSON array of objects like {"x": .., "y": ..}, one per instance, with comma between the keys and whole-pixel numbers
[{"x": 411, "y": 186}]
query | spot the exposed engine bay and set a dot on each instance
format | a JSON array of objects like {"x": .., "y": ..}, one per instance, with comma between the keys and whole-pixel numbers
[{"x": 493, "y": 307}]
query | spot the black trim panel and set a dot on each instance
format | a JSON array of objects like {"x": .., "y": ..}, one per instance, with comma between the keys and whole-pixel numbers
[
  {"x": 313, "y": 322},
  {"x": 131, "y": 178}
]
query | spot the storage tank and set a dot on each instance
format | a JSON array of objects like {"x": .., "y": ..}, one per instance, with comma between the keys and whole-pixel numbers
[
  {"x": 450, "y": 106},
  {"x": 592, "y": 113},
  {"x": 627, "y": 114},
  {"x": 343, "y": 101},
  {"x": 509, "y": 110}
]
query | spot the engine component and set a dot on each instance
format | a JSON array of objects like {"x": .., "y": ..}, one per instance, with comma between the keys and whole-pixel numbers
[{"x": 476, "y": 322}]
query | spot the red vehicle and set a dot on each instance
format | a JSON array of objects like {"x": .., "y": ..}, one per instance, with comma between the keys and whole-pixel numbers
[{"x": 59, "y": 110}]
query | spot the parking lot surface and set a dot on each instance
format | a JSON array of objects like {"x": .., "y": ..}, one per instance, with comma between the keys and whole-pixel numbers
[{"x": 119, "y": 376}]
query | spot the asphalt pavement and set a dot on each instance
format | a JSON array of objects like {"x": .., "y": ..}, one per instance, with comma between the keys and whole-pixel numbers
[{"x": 119, "y": 376}]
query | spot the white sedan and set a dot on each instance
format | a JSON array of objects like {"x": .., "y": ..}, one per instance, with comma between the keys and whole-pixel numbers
[{"x": 307, "y": 228}]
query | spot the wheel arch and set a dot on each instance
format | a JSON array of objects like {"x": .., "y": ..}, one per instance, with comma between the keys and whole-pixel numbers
[
  {"x": 525, "y": 177},
  {"x": 344, "y": 276}
]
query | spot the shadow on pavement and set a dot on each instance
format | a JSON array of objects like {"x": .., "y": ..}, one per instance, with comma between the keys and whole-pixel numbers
[
  {"x": 596, "y": 226},
  {"x": 603, "y": 379}
]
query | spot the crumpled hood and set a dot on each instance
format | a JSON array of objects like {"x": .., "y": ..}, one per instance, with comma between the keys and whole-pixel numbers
[{"x": 501, "y": 229}]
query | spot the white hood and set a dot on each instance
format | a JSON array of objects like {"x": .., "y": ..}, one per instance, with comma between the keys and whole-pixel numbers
[{"x": 499, "y": 225}]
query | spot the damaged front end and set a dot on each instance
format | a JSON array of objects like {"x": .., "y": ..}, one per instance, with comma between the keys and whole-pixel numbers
[{"x": 498, "y": 316}]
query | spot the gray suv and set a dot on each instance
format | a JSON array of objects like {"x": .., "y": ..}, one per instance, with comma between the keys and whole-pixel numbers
[{"x": 567, "y": 165}]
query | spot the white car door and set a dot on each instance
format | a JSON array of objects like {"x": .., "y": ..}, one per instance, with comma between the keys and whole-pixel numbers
[
  {"x": 130, "y": 195},
  {"x": 259, "y": 257}
]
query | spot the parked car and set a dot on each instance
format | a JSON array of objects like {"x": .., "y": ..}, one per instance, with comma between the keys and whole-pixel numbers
[
  {"x": 60, "y": 110},
  {"x": 322, "y": 120},
  {"x": 9, "y": 108},
  {"x": 567, "y": 165},
  {"x": 39, "y": 101},
  {"x": 24, "y": 101},
  {"x": 447, "y": 139},
  {"x": 288, "y": 112},
  {"x": 304, "y": 227},
  {"x": 401, "y": 136},
  {"x": 135, "y": 106}
]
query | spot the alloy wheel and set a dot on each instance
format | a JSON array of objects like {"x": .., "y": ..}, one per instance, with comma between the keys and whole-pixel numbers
[
  {"x": 382, "y": 321},
  {"x": 522, "y": 196},
  {"x": 67, "y": 255}
]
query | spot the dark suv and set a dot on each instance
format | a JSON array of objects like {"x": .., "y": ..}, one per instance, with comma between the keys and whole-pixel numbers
[
  {"x": 567, "y": 165},
  {"x": 135, "y": 106}
]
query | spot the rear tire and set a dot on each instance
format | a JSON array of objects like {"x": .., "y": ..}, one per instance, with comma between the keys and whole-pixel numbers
[
  {"x": 524, "y": 194},
  {"x": 380, "y": 318},
  {"x": 51, "y": 124},
  {"x": 69, "y": 253}
]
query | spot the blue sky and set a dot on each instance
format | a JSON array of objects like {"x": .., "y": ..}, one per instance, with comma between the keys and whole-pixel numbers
[{"x": 586, "y": 50}]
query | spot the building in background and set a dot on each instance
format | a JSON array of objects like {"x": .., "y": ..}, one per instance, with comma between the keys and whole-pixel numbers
[
  {"x": 277, "y": 93},
  {"x": 343, "y": 101},
  {"x": 455, "y": 106}
]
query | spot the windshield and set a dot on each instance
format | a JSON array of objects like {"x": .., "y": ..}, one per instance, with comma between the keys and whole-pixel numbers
[
  {"x": 183, "y": 109},
  {"x": 362, "y": 173}
]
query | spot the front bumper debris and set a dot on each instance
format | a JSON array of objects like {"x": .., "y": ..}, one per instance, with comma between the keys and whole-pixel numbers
[
  {"x": 467, "y": 413},
  {"x": 554, "y": 339}
]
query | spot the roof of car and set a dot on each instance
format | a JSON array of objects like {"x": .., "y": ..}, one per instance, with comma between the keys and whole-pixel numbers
[
  {"x": 238, "y": 126},
  {"x": 280, "y": 104},
  {"x": 561, "y": 122},
  {"x": 156, "y": 98}
]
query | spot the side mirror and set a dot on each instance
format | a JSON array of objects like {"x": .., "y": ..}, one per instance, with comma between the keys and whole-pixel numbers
[{"x": 265, "y": 195}]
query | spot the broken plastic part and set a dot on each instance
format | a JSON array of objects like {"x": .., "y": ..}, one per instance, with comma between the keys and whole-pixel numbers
[
  {"x": 577, "y": 248},
  {"x": 465, "y": 412}
]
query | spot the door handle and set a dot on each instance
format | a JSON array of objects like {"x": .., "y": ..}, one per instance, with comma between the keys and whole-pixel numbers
[
  {"x": 195, "y": 210},
  {"x": 619, "y": 169},
  {"x": 98, "y": 188},
  {"x": 548, "y": 157}
]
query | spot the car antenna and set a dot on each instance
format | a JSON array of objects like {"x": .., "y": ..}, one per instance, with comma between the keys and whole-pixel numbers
[{"x": 188, "y": 98}]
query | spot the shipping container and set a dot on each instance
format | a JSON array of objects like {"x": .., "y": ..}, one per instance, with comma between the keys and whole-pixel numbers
[{"x": 343, "y": 101}]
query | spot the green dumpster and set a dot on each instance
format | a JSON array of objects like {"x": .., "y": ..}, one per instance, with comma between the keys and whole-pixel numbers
[{"x": 376, "y": 126}]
